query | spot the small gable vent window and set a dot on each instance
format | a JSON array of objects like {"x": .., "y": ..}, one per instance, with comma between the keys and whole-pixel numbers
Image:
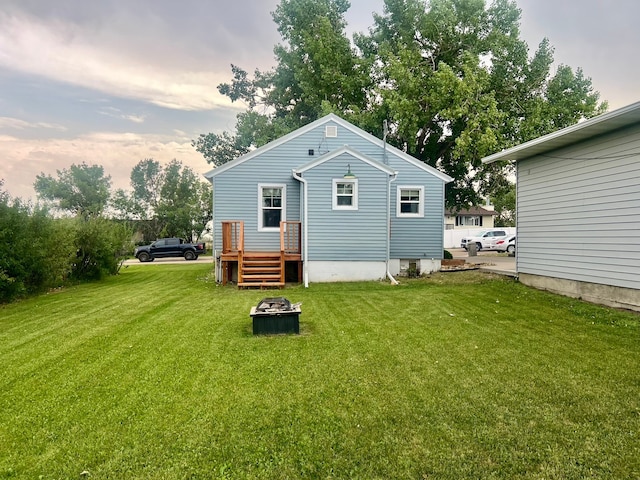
[
  {"x": 410, "y": 202},
  {"x": 331, "y": 131}
]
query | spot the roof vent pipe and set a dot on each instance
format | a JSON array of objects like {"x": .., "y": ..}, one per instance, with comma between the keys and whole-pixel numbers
[{"x": 385, "y": 130}]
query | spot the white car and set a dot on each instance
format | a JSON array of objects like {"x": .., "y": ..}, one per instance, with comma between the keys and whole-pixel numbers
[
  {"x": 485, "y": 239},
  {"x": 505, "y": 244}
]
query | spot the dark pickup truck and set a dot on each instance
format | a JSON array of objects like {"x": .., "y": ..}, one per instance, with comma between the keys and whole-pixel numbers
[{"x": 169, "y": 247}]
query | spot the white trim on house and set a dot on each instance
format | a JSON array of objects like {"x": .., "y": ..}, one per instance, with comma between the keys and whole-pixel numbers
[
  {"x": 283, "y": 206},
  {"x": 343, "y": 123},
  {"x": 420, "y": 212},
  {"x": 340, "y": 151}
]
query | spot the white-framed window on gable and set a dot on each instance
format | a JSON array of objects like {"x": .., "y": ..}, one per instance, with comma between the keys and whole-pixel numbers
[
  {"x": 271, "y": 206},
  {"x": 345, "y": 194},
  {"x": 410, "y": 202}
]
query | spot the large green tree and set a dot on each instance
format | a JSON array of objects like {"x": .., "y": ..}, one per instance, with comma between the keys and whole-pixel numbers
[
  {"x": 165, "y": 201},
  {"x": 457, "y": 84},
  {"x": 185, "y": 204},
  {"x": 82, "y": 190},
  {"x": 452, "y": 78},
  {"x": 318, "y": 70}
]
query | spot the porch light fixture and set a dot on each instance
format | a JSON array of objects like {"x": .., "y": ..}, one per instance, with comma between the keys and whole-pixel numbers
[{"x": 349, "y": 174}]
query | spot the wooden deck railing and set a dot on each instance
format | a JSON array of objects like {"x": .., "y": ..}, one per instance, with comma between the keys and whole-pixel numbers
[
  {"x": 232, "y": 236},
  {"x": 259, "y": 268},
  {"x": 290, "y": 237}
]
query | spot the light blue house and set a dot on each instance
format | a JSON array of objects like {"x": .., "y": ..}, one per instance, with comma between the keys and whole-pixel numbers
[{"x": 327, "y": 202}]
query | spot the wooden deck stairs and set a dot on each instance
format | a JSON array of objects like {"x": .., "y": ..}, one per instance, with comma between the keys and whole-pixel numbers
[{"x": 261, "y": 269}]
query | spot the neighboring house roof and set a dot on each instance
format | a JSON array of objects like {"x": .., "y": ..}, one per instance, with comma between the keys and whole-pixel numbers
[
  {"x": 340, "y": 151},
  {"x": 471, "y": 211},
  {"x": 343, "y": 123},
  {"x": 607, "y": 122}
]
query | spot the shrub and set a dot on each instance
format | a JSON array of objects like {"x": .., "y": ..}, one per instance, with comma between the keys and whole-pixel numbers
[
  {"x": 447, "y": 255},
  {"x": 101, "y": 245},
  {"x": 42, "y": 252},
  {"x": 38, "y": 250}
]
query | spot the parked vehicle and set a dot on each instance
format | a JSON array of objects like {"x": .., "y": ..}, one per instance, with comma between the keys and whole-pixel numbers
[
  {"x": 506, "y": 244},
  {"x": 485, "y": 239},
  {"x": 169, "y": 247}
]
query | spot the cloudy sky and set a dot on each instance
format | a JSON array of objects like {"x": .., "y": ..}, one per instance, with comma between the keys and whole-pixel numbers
[{"x": 117, "y": 81}]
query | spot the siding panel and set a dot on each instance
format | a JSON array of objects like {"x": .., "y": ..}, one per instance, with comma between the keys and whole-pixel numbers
[
  {"x": 579, "y": 211},
  {"x": 413, "y": 238},
  {"x": 356, "y": 235},
  {"x": 333, "y": 235}
]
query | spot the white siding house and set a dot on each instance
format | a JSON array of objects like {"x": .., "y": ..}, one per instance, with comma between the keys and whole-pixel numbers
[{"x": 578, "y": 209}]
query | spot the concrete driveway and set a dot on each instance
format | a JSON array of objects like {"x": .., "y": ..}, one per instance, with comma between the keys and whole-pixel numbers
[{"x": 489, "y": 261}]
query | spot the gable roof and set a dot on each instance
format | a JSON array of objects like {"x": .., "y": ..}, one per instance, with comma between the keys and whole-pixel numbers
[
  {"x": 321, "y": 121},
  {"x": 471, "y": 211},
  {"x": 605, "y": 123},
  {"x": 346, "y": 149}
]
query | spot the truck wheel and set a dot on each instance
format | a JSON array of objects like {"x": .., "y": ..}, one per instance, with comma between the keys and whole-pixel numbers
[
  {"x": 478, "y": 246},
  {"x": 190, "y": 255},
  {"x": 144, "y": 257},
  {"x": 511, "y": 249}
]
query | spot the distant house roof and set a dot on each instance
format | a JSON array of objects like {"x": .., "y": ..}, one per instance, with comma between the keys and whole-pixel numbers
[
  {"x": 471, "y": 211},
  {"x": 605, "y": 123},
  {"x": 309, "y": 127}
]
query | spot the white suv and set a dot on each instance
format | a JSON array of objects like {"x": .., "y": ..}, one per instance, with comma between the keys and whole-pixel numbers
[{"x": 484, "y": 239}]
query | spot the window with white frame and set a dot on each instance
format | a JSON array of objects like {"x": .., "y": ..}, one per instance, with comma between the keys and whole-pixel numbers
[
  {"x": 410, "y": 201},
  {"x": 345, "y": 194},
  {"x": 469, "y": 220},
  {"x": 271, "y": 206}
]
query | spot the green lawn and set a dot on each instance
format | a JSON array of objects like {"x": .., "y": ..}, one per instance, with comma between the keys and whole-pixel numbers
[{"x": 155, "y": 374}]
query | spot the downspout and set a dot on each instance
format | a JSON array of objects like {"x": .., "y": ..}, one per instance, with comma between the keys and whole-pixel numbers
[
  {"x": 392, "y": 178},
  {"x": 305, "y": 228},
  {"x": 217, "y": 266},
  {"x": 385, "y": 160}
]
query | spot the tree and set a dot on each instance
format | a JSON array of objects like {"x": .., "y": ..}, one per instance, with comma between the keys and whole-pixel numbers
[
  {"x": 167, "y": 201},
  {"x": 452, "y": 77},
  {"x": 100, "y": 247},
  {"x": 317, "y": 71},
  {"x": 458, "y": 85},
  {"x": 82, "y": 189},
  {"x": 185, "y": 204},
  {"x": 504, "y": 202}
]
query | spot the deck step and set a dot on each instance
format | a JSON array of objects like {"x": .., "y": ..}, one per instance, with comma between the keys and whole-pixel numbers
[
  {"x": 261, "y": 284},
  {"x": 261, "y": 269},
  {"x": 270, "y": 275}
]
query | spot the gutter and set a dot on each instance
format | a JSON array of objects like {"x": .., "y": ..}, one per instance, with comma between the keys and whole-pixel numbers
[
  {"x": 305, "y": 228},
  {"x": 392, "y": 178}
]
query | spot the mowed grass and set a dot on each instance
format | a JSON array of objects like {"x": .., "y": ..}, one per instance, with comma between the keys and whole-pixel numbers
[{"x": 155, "y": 374}]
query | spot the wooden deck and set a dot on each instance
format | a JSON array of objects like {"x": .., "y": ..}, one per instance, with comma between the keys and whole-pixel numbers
[{"x": 258, "y": 268}]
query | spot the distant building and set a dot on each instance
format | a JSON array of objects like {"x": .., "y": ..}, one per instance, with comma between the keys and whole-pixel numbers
[{"x": 474, "y": 217}]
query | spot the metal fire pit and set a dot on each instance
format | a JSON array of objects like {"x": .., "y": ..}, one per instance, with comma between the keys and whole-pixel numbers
[{"x": 275, "y": 315}]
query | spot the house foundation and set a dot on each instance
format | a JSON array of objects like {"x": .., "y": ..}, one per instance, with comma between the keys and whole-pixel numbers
[{"x": 611, "y": 296}]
